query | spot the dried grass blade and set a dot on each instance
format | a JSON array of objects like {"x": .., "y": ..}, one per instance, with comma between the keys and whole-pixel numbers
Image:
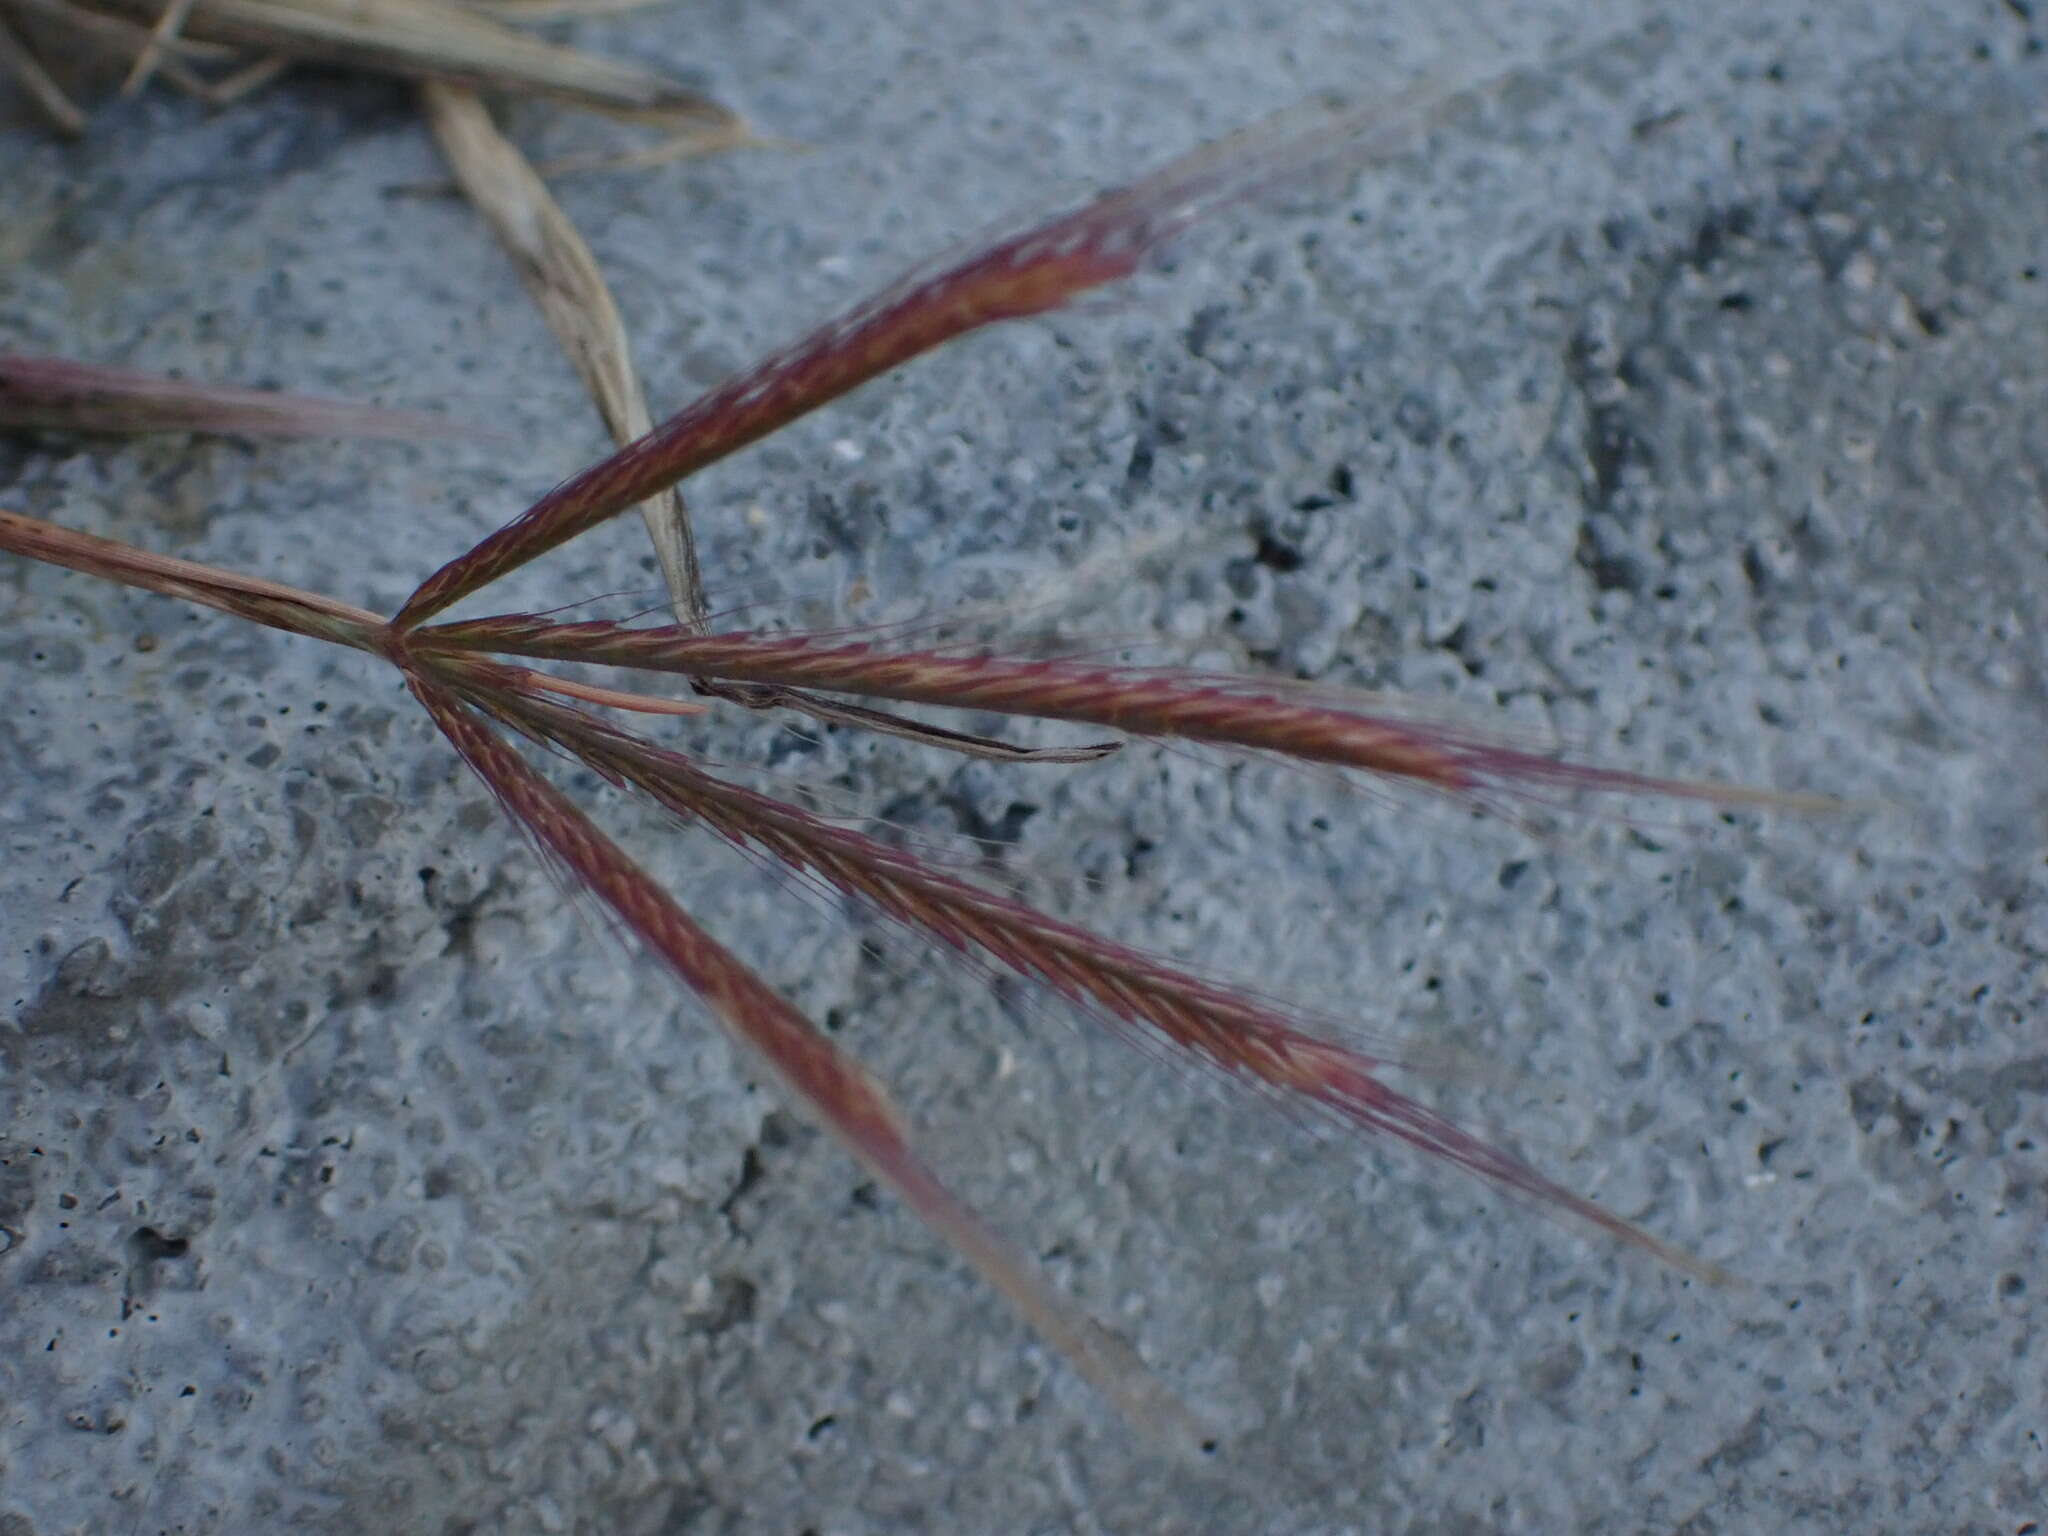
[
  {"x": 1024, "y": 274},
  {"x": 1238, "y": 1034},
  {"x": 678, "y": 144},
  {"x": 425, "y": 39},
  {"x": 114, "y": 38},
  {"x": 836, "y": 1091},
  {"x": 562, "y": 275},
  {"x": 167, "y": 27},
  {"x": 42, "y": 90},
  {"x": 111, "y": 35},
  {"x": 55, "y": 393},
  {"x": 232, "y": 87}
]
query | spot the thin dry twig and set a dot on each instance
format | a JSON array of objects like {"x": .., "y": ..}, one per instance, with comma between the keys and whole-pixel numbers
[
  {"x": 253, "y": 76},
  {"x": 113, "y": 36}
]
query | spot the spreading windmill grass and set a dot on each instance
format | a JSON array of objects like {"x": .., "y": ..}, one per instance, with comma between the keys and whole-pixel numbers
[{"x": 473, "y": 680}]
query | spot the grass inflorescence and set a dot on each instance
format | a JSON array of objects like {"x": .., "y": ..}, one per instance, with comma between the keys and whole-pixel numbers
[{"x": 475, "y": 680}]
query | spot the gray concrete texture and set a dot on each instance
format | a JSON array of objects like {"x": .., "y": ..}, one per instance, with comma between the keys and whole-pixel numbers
[{"x": 1683, "y": 402}]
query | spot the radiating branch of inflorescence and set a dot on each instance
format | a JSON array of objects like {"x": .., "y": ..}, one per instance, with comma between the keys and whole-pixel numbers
[{"x": 474, "y": 680}]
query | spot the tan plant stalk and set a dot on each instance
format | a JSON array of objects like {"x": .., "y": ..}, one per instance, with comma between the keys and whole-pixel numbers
[{"x": 555, "y": 264}]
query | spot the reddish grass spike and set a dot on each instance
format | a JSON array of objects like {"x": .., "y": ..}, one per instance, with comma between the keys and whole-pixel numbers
[
  {"x": 249, "y": 597},
  {"x": 58, "y": 394},
  {"x": 1023, "y": 276},
  {"x": 1139, "y": 701},
  {"x": 1154, "y": 1003},
  {"x": 1335, "y": 1080},
  {"x": 1019, "y": 275},
  {"x": 843, "y": 1098},
  {"x": 1142, "y": 701}
]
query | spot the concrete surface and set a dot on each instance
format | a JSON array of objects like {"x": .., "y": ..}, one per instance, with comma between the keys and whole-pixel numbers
[{"x": 1685, "y": 402}]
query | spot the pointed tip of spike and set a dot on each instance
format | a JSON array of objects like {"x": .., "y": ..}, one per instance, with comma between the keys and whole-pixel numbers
[
  {"x": 1797, "y": 802},
  {"x": 1686, "y": 1261}
]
